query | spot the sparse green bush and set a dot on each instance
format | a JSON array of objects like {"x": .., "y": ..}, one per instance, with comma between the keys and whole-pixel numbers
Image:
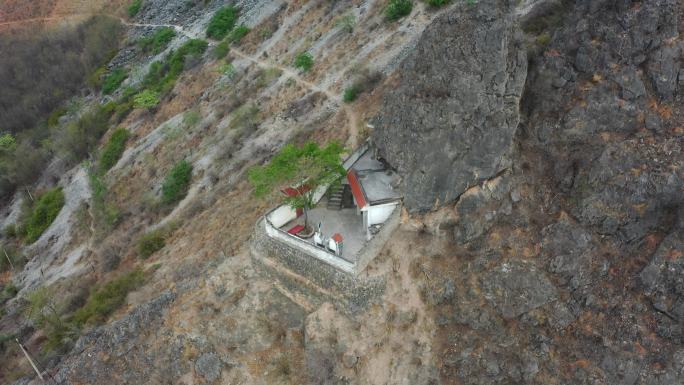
[
  {"x": 222, "y": 22},
  {"x": 396, "y": 9},
  {"x": 113, "y": 149},
  {"x": 77, "y": 139},
  {"x": 10, "y": 253},
  {"x": 146, "y": 99},
  {"x": 221, "y": 50},
  {"x": 7, "y": 143},
  {"x": 162, "y": 76},
  {"x": 10, "y": 230},
  {"x": 544, "y": 39},
  {"x": 191, "y": 118},
  {"x": 44, "y": 211},
  {"x": 237, "y": 34},
  {"x": 158, "y": 41},
  {"x": 150, "y": 243},
  {"x": 134, "y": 8},
  {"x": 106, "y": 215},
  {"x": 304, "y": 61},
  {"x": 113, "y": 80},
  {"x": 346, "y": 23},
  {"x": 103, "y": 301},
  {"x": 8, "y": 292},
  {"x": 227, "y": 69},
  {"x": 55, "y": 115},
  {"x": 350, "y": 93},
  {"x": 438, "y": 3},
  {"x": 176, "y": 183}
]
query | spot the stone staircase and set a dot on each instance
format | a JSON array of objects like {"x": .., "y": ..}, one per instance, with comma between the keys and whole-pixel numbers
[{"x": 335, "y": 198}]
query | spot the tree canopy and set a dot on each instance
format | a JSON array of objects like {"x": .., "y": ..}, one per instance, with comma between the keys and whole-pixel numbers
[{"x": 305, "y": 167}]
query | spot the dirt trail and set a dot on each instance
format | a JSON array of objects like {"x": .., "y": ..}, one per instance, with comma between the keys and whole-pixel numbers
[{"x": 351, "y": 114}]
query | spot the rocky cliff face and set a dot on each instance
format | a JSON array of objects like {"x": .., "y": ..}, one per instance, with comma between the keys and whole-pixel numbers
[
  {"x": 567, "y": 269},
  {"x": 450, "y": 121}
]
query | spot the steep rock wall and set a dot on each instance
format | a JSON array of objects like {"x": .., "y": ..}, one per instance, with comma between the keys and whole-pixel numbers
[{"x": 450, "y": 122}]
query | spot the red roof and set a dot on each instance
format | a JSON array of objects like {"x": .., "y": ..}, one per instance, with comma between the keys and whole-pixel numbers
[
  {"x": 293, "y": 192},
  {"x": 356, "y": 189}
]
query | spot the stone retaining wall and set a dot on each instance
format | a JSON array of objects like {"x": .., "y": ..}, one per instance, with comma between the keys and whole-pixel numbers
[{"x": 352, "y": 291}]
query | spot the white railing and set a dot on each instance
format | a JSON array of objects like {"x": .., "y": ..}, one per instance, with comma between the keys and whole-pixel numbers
[{"x": 306, "y": 247}]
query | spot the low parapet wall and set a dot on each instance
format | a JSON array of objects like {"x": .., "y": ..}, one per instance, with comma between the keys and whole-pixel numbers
[{"x": 355, "y": 292}]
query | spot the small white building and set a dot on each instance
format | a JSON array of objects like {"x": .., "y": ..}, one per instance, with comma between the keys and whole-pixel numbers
[{"x": 373, "y": 187}]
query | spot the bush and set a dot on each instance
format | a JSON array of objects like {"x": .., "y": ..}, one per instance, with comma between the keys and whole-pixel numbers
[
  {"x": 103, "y": 301},
  {"x": 113, "y": 149},
  {"x": 146, "y": 99},
  {"x": 162, "y": 76},
  {"x": 134, "y": 8},
  {"x": 75, "y": 141},
  {"x": 150, "y": 243},
  {"x": 237, "y": 34},
  {"x": 222, "y": 22},
  {"x": 10, "y": 230},
  {"x": 17, "y": 259},
  {"x": 438, "y": 3},
  {"x": 113, "y": 80},
  {"x": 45, "y": 210},
  {"x": 221, "y": 50},
  {"x": 396, "y": 9},
  {"x": 158, "y": 41},
  {"x": 8, "y": 292},
  {"x": 176, "y": 183},
  {"x": 350, "y": 93},
  {"x": 304, "y": 61},
  {"x": 346, "y": 23}
]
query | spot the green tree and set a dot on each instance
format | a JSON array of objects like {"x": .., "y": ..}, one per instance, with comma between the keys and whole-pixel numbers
[{"x": 307, "y": 168}]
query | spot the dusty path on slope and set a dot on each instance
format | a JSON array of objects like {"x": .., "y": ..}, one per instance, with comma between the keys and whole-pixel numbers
[
  {"x": 349, "y": 112},
  {"x": 351, "y": 115}
]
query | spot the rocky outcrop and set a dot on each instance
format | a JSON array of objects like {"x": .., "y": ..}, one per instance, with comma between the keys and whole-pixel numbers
[
  {"x": 601, "y": 102},
  {"x": 450, "y": 121}
]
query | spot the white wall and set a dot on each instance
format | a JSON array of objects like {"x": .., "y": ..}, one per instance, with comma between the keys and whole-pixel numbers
[
  {"x": 379, "y": 214},
  {"x": 282, "y": 215},
  {"x": 309, "y": 249}
]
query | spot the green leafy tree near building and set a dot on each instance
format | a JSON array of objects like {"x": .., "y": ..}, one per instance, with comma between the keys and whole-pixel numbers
[{"x": 306, "y": 168}]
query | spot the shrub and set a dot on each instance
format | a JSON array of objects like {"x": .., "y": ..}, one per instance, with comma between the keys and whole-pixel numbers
[
  {"x": 191, "y": 118},
  {"x": 10, "y": 230},
  {"x": 396, "y": 9},
  {"x": 176, "y": 182},
  {"x": 237, "y": 34},
  {"x": 158, "y": 41},
  {"x": 346, "y": 23},
  {"x": 103, "y": 301},
  {"x": 45, "y": 210},
  {"x": 221, "y": 50},
  {"x": 303, "y": 61},
  {"x": 113, "y": 81},
  {"x": 134, "y": 8},
  {"x": 9, "y": 254},
  {"x": 8, "y": 292},
  {"x": 113, "y": 149},
  {"x": 350, "y": 93},
  {"x": 438, "y": 3},
  {"x": 162, "y": 76},
  {"x": 150, "y": 243},
  {"x": 146, "y": 99},
  {"x": 222, "y": 22}
]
